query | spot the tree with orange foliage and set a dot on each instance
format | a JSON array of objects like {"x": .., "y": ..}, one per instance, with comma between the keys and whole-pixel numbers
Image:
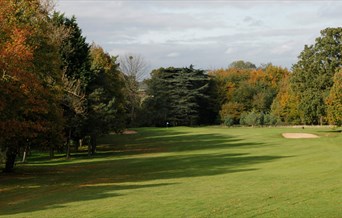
[
  {"x": 285, "y": 104},
  {"x": 246, "y": 90},
  {"x": 27, "y": 104}
]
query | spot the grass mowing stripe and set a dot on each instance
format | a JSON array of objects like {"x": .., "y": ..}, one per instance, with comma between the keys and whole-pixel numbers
[{"x": 185, "y": 172}]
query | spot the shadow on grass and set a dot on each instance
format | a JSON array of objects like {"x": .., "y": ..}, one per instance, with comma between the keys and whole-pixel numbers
[
  {"x": 158, "y": 142},
  {"x": 331, "y": 131},
  {"x": 40, "y": 187},
  {"x": 169, "y": 141}
]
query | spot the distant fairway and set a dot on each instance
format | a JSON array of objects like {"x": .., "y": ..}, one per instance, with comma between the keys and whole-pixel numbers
[{"x": 185, "y": 172}]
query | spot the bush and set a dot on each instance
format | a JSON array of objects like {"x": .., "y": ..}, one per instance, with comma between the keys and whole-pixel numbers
[
  {"x": 228, "y": 121},
  {"x": 271, "y": 120},
  {"x": 252, "y": 118}
]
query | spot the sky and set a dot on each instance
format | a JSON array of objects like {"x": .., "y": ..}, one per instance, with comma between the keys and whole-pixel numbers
[{"x": 206, "y": 34}]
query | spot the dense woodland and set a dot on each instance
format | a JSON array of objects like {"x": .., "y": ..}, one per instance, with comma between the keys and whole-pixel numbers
[{"x": 56, "y": 90}]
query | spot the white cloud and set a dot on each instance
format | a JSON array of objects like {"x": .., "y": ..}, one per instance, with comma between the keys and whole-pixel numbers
[
  {"x": 204, "y": 33},
  {"x": 229, "y": 51},
  {"x": 173, "y": 54}
]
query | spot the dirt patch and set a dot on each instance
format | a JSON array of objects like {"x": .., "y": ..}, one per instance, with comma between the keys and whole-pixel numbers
[
  {"x": 299, "y": 135},
  {"x": 129, "y": 132}
]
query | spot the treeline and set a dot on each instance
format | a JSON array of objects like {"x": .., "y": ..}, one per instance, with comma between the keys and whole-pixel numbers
[
  {"x": 55, "y": 88},
  {"x": 244, "y": 94},
  {"x": 58, "y": 92}
]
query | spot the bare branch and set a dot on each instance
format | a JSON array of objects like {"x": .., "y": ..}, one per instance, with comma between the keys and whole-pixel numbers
[
  {"x": 75, "y": 96},
  {"x": 134, "y": 66}
]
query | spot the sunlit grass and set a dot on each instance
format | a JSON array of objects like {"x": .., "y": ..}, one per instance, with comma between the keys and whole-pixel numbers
[{"x": 185, "y": 172}]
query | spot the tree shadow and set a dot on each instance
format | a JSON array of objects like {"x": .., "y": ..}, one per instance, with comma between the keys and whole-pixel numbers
[
  {"x": 169, "y": 141},
  {"x": 52, "y": 186},
  {"x": 58, "y": 195},
  {"x": 331, "y": 131}
]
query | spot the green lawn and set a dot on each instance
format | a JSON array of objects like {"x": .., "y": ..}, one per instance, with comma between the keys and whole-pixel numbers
[{"x": 185, "y": 172}]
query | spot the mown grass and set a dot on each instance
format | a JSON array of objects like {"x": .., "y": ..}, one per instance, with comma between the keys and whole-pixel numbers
[{"x": 185, "y": 172}]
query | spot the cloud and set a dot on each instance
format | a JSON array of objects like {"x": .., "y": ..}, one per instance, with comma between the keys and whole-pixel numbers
[
  {"x": 173, "y": 54},
  {"x": 207, "y": 34},
  {"x": 229, "y": 50},
  {"x": 252, "y": 22}
]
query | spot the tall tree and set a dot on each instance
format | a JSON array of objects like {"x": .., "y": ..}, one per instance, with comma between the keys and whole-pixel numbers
[
  {"x": 313, "y": 74},
  {"x": 177, "y": 95},
  {"x": 74, "y": 53},
  {"x": 74, "y": 50},
  {"x": 26, "y": 108},
  {"x": 74, "y": 105},
  {"x": 106, "y": 106},
  {"x": 285, "y": 104},
  {"x": 134, "y": 68},
  {"x": 334, "y": 101}
]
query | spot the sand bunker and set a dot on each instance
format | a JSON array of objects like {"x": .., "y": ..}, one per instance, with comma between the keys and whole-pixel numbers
[{"x": 299, "y": 135}]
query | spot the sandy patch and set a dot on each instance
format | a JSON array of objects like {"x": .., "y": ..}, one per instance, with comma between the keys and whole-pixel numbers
[
  {"x": 299, "y": 135},
  {"x": 129, "y": 132}
]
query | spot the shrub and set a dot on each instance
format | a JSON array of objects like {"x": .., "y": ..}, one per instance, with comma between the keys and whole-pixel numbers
[
  {"x": 228, "y": 121},
  {"x": 252, "y": 118}
]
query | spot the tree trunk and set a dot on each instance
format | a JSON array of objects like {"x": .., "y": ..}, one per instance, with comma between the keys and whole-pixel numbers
[
  {"x": 89, "y": 149},
  {"x": 11, "y": 154},
  {"x": 68, "y": 145},
  {"x": 26, "y": 150},
  {"x": 132, "y": 115},
  {"x": 52, "y": 152},
  {"x": 93, "y": 144},
  {"x": 68, "y": 150},
  {"x": 76, "y": 144}
]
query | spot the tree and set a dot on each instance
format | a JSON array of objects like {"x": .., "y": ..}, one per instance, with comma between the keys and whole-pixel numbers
[
  {"x": 189, "y": 86},
  {"x": 26, "y": 108},
  {"x": 176, "y": 95},
  {"x": 240, "y": 64},
  {"x": 74, "y": 53},
  {"x": 231, "y": 110},
  {"x": 75, "y": 109},
  {"x": 252, "y": 118},
  {"x": 334, "y": 101},
  {"x": 313, "y": 74},
  {"x": 249, "y": 89},
  {"x": 74, "y": 50},
  {"x": 106, "y": 106},
  {"x": 134, "y": 68},
  {"x": 158, "y": 105},
  {"x": 285, "y": 104}
]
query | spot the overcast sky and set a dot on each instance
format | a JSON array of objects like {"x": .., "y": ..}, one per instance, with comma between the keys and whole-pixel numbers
[{"x": 207, "y": 34}]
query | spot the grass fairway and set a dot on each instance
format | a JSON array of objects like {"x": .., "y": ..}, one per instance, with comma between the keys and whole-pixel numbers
[{"x": 185, "y": 172}]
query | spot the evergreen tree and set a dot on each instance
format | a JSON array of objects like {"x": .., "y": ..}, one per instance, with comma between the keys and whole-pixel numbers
[
  {"x": 74, "y": 50},
  {"x": 177, "y": 95},
  {"x": 106, "y": 106},
  {"x": 74, "y": 53}
]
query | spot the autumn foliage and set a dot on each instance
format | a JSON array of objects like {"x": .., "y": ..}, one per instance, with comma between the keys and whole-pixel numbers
[
  {"x": 243, "y": 91},
  {"x": 25, "y": 108},
  {"x": 56, "y": 88}
]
